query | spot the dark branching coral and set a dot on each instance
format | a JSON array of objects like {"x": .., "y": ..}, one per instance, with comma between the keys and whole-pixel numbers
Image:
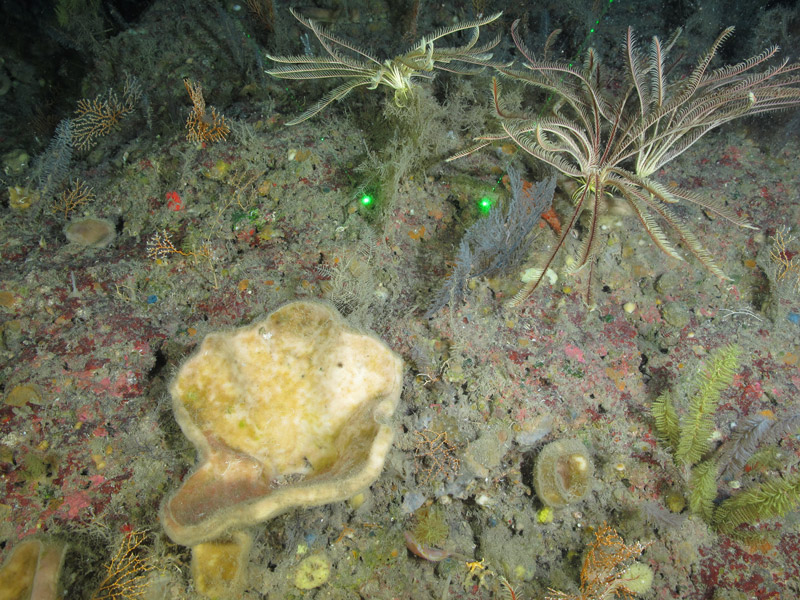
[
  {"x": 52, "y": 166},
  {"x": 499, "y": 242},
  {"x": 752, "y": 433}
]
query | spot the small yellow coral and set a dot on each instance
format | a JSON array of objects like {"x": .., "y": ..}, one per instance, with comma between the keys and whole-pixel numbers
[
  {"x": 606, "y": 569},
  {"x": 126, "y": 574},
  {"x": 203, "y": 126}
]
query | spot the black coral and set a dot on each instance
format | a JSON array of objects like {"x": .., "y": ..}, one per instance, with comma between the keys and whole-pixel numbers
[
  {"x": 756, "y": 430},
  {"x": 498, "y": 242},
  {"x": 52, "y": 165}
]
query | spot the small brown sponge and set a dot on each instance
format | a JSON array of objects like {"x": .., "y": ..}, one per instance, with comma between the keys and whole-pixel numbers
[
  {"x": 290, "y": 411},
  {"x": 563, "y": 473}
]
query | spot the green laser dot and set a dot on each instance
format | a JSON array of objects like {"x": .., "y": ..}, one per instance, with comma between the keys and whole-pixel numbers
[
  {"x": 367, "y": 200},
  {"x": 484, "y": 205}
]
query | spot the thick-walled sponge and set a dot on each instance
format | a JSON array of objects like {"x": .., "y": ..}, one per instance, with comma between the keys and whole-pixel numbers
[
  {"x": 88, "y": 231},
  {"x": 563, "y": 473},
  {"x": 32, "y": 571},
  {"x": 16, "y": 576},
  {"x": 292, "y": 410},
  {"x": 638, "y": 578},
  {"x": 218, "y": 567}
]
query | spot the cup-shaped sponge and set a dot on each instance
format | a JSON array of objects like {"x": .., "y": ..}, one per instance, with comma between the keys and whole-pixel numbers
[
  {"x": 563, "y": 473},
  {"x": 290, "y": 411}
]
